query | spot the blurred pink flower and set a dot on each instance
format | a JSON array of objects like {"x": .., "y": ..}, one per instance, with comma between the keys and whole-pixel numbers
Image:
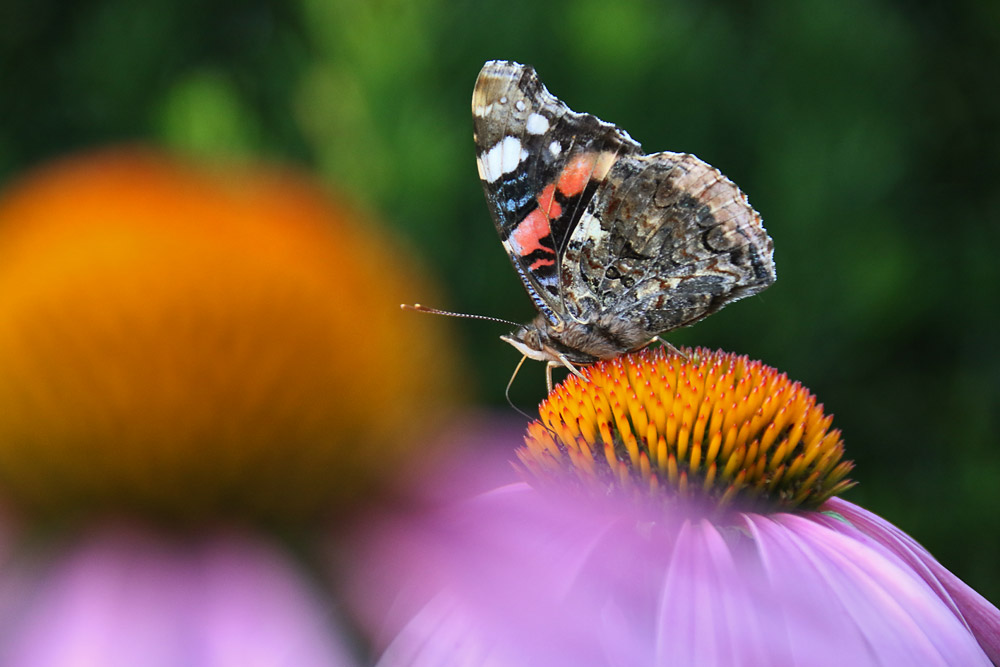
[
  {"x": 179, "y": 344},
  {"x": 123, "y": 597}
]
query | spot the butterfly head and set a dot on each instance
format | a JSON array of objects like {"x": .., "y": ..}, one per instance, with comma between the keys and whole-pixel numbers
[
  {"x": 531, "y": 341},
  {"x": 579, "y": 342}
]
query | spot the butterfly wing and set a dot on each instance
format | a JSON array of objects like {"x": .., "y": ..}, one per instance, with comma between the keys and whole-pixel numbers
[
  {"x": 540, "y": 164},
  {"x": 665, "y": 242}
]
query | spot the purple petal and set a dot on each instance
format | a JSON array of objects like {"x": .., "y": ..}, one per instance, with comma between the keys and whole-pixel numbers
[
  {"x": 125, "y": 597},
  {"x": 518, "y": 577},
  {"x": 879, "y": 609},
  {"x": 697, "y": 625},
  {"x": 981, "y": 617},
  {"x": 474, "y": 580}
]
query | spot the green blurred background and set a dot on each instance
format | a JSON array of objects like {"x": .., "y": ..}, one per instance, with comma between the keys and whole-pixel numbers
[{"x": 866, "y": 133}]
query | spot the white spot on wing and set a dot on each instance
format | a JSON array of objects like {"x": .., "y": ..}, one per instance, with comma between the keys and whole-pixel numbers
[
  {"x": 555, "y": 148},
  {"x": 520, "y": 105},
  {"x": 502, "y": 159},
  {"x": 537, "y": 124},
  {"x": 491, "y": 162},
  {"x": 511, "y": 154}
]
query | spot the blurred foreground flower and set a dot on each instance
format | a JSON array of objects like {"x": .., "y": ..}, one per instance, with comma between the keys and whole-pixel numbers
[
  {"x": 196, "y": 351},
  {"x": 123, "y": 596},
  {"x": 188, "y": 343},
  {"x": 679, "y": 513}
]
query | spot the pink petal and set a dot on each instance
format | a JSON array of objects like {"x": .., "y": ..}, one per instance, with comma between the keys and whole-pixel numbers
[
  {"x": 697, "y": 624},
  {"x": 519, "y": 577},
  {"x": 123, "y": 597},
  {"x": 878, "y": 609},
  {"x": 981, "y": 617}
]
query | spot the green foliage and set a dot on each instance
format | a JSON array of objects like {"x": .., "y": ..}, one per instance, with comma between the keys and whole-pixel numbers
[{"x": 864, "y": 131}]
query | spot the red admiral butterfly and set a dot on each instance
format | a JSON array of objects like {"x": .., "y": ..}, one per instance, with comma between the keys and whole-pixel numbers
[{"x": 614, "y": 247}]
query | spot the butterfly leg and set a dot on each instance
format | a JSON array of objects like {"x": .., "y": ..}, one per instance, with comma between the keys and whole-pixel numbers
[
  {"x": 548, "y": 374},
  {"x": 563, "y": 361},
  {"x": 670, "y": 348}
]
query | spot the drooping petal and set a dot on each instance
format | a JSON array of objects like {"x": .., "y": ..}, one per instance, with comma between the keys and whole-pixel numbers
[
  {"x": 982, "y": 618},
  {"x": 878, "y": 610}
]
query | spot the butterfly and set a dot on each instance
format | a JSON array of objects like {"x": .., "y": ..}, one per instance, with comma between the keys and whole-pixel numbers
[{"x": 614, "y": 247}]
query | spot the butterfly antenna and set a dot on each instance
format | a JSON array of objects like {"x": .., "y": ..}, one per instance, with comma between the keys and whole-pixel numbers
[{"x": 434, "y": 311}]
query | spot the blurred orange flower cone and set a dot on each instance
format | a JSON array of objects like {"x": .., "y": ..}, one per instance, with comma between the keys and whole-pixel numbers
[{"x": 195, "y": 344}]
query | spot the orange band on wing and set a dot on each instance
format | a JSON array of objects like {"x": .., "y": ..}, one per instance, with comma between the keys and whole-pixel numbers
[
  {"x": 575, "y": 175},
  {"x": 540, "y": 262},
  {"x": 527, "y": 236},
  {"x": 548, "y": 204}
]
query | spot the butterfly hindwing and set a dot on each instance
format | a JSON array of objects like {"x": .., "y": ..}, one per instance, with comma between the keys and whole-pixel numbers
[{"x": 667, "y": 241}]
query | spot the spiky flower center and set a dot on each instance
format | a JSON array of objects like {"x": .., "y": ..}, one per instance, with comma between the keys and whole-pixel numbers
[{"x": 713, "y": 426}]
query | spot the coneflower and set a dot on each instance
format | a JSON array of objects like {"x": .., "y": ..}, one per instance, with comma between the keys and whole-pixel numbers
[{"x": 677, "y": 510}]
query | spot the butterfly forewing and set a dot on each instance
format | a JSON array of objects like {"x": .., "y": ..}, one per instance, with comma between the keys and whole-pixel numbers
[{"x": 540, "y": 163}]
